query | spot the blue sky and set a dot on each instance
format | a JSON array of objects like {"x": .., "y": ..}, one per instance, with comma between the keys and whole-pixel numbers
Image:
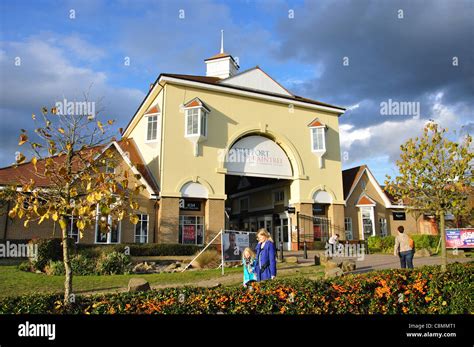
[{"x": 405, "y": 59}]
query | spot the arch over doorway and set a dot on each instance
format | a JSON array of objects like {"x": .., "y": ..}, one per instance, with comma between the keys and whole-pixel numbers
[{"x": 280, "y": 140}]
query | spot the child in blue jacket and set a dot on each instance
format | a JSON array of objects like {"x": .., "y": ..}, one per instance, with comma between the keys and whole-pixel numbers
[{"x": 248, "y": 262}]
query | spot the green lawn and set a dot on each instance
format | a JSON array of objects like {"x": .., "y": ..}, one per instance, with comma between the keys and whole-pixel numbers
[{"x": 16, "y": 282}]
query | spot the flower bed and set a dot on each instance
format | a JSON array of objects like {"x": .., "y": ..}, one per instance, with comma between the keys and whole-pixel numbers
[{"x": 419, "y": 291}]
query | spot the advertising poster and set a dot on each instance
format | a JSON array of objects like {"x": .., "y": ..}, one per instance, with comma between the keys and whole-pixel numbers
[
  {"x": 234, "y": 243},
  {"x": 189, "y": 234},
  {"x": 460, "y": 238}
]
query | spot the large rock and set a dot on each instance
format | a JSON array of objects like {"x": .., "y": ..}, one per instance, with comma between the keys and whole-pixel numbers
[
  {"x": 291, "y": 260},
  {"x": 336, "y": 272},
  {"x": 143, "y": 268},
  {"x": 138, "y": 285},
  {"x": 422, "y": 252},
  {"x": 348, "y": 265},
  {"x": 322, "y": 258},
  {"x": 331, "y": 264}
]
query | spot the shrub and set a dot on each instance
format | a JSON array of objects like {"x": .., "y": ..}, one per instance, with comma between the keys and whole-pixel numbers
[
  {"x": 48, "y": 249},
  {"x": 25, "y": 266},
  {"x": 429, "y": 242},
  {"x": 381, "y": 244},
  {"x": 421, "y": 291},
  {"x": 209, "y": 259},
  {"x": 82, "y": 265},
  {"x": 113, "y": 263},
  {"x": 147, "y": 249},
  {"x": 55, "y": 268}
]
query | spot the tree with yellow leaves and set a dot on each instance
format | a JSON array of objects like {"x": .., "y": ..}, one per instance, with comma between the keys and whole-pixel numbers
[
  {"x": 435, "y": 177},
  {"x": 70, "y": 156}
]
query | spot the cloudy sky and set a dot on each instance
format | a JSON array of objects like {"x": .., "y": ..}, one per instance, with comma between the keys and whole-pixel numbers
[{"x": 358, "y": 54}]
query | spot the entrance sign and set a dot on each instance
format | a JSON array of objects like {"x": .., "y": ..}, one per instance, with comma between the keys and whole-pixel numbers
[
  {"x": 460, "y": 238},
  {"x": 186, "y": 205},
  {"x": 258, "y": 156},
  {"x": 399, "y": 216},
  {"x": 234, "y": 242}
]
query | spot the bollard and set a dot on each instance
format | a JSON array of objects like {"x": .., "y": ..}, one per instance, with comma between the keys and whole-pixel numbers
[
  {"x": 305, "y": 249},
  {"x": 281, "y": 251}
]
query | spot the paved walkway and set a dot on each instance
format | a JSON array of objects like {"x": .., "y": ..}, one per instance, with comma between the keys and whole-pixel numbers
[{"x": 371, "y": 262}]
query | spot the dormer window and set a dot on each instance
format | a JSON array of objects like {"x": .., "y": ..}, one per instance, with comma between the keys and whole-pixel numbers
[
  {"x": 196, "y": 122},
  {"x": 318, "y": 139},
  {"x": 196, "y": 113},
  {"x": 152, "y": 123}
]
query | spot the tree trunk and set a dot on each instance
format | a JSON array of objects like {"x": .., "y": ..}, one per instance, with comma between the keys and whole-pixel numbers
[
  {"x": 442, "y": 235},
  {"x": 67, "y": 270}
]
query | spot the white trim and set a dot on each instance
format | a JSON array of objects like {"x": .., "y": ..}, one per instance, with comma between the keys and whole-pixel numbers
[
  {"x": 248, "y": 93},
  {"x": 372, "y": 217},
  {"x": 132, "y": 167},
  {"x": 140, "y": 221},
  {"x": 109, "y": 234}
]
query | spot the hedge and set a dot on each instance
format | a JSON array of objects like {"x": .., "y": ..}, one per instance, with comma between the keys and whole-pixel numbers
[
  {"x": 385, "y": 244},
  {"x": 421, "y": 291},
  {"x": 147, "y": 249}
]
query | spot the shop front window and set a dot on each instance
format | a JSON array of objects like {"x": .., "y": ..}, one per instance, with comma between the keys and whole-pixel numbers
[{"x": 191, "y": 230}]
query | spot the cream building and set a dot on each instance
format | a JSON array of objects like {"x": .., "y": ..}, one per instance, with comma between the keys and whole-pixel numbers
[{"x": 237, "y": 150}]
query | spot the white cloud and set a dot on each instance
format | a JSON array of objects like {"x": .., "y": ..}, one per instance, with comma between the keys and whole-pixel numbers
[
  {"x": 383, "y": 140},
  {"x": 47, "y": 75}
]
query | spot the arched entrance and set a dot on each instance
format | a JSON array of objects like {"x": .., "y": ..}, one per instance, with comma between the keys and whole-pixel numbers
[{"x": 257, "y": 183}]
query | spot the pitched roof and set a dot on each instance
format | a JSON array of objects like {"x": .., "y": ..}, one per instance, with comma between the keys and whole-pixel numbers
[
  {"x": 221, "y": 55},
  {"x": 129, "y": 146},
  {"x": 216, "y": 81},
  {"x": 23, "y": 173},
  {"x": 196, "y": 102},
  {"x": 152, "y": 110},
  {"x": 256, "y": 73},
  {"x": 365, "y": 200},
  {"x": 315, "y": 123},
  {"x": 350, "y": 177}
]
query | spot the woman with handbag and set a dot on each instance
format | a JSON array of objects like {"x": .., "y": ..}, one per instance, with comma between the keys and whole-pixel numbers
[{"x": 265, "y": 267}]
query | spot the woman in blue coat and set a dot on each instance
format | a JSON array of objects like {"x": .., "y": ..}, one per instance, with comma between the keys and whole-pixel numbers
[{"x": 265, "y": 267}]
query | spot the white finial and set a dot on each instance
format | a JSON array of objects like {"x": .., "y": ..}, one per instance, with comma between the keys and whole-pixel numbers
[{"x": 222, "y": 41}]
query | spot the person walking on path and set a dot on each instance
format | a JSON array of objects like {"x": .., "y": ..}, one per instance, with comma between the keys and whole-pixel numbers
[
  {"x": 404, "y": 248},
  {"x": 265, "y": 266}
]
